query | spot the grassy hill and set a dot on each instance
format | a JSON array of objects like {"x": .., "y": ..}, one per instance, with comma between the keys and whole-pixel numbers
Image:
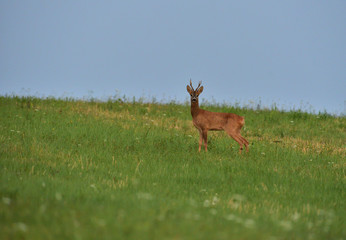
[{"x": 118, "y": 170}]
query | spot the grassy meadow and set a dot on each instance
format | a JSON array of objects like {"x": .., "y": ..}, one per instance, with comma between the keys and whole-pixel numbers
[{"x": 74, "y": 169}]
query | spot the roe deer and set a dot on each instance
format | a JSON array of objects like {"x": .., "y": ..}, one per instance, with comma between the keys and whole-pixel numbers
[{"x": 214, "y": 121}]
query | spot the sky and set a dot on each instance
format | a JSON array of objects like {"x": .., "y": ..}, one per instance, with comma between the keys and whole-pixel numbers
[{"x": 288, "y": 53}]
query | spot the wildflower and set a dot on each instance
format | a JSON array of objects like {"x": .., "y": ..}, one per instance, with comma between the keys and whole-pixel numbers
[
  {"x": 286, "y": 225},
  {"x": 21, "y": 227},
  {"x": 58, "y": 196},
  {"x": 249, "y": 223},
  {"x": 230, "y": 217},
  {"x": 206, "y": 203},
  {"x": 213, "y": 211},
  {"x": 215, "y": 200},
  {"x": 145, "y": 196},
  {"x": 6, "y": 200},
  {"x": 238, "y": 197},
  {"x": 236, "y": 201},
  {"x": 295, "y": 217}
]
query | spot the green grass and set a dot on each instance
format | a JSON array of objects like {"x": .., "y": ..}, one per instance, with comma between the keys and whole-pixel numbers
[{"x": 116, "y": 170}]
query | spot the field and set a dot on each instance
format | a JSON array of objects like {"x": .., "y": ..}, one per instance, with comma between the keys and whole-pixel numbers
[{"x": 131, "y": 170}]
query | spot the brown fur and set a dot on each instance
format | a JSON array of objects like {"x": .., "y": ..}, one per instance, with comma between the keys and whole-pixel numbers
[{"x": 206, "y": 121}]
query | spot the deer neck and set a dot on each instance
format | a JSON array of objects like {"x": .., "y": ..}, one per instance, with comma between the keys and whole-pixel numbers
[{"x": 194, "y": 108}]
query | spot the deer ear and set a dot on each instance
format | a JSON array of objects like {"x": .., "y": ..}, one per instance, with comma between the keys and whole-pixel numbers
[
  {"x": 188, "y": 89},
  {"x": 200, "y": 90}
]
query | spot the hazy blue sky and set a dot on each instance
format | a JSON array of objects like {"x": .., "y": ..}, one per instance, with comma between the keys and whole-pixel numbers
[{"x": 292, "y": 52}]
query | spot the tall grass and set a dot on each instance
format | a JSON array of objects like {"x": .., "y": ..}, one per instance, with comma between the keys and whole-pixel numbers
[{"x": 113, "y": 170}]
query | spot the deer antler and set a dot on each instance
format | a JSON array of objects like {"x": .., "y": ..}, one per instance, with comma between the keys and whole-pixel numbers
[
  {"x": 199, "y": 84},
  {"x": 191, "y": 85}
]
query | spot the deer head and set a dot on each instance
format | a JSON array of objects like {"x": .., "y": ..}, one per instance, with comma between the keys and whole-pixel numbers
[{"x": 194, "y": 93}]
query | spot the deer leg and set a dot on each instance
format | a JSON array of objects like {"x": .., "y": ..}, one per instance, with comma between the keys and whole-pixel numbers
[
  {"x": 205, "y": 139},
  {"x": 245, "y": 142},
  {"x": 200, "y": 140},
  {"x": 237, "y": 139}
]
